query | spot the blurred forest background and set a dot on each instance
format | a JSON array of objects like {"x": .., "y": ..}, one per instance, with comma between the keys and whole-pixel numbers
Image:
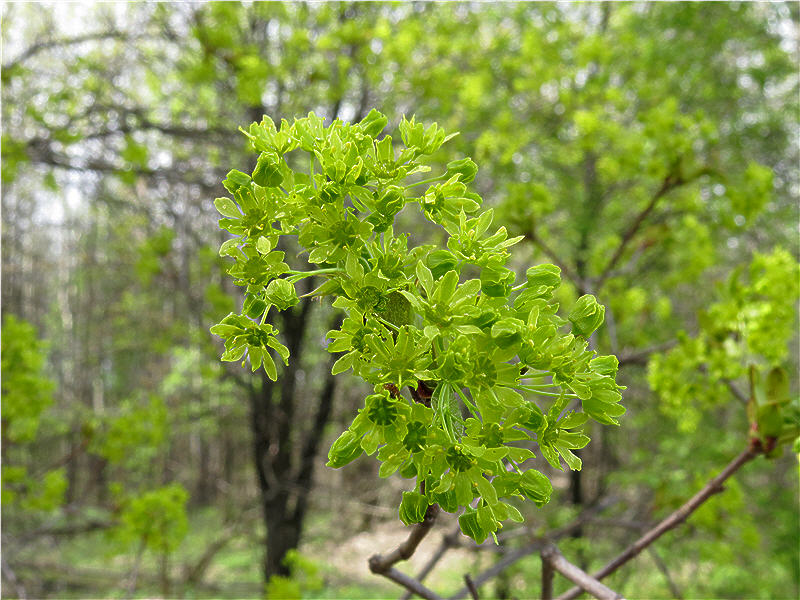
[{"x": 648, "y": 149}]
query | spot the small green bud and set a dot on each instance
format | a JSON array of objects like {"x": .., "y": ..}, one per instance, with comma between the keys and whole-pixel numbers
[
  {"x": 344, "y": 450},
  {"x": 235, "y": 180},
  {"x": 282, "y": 294},
  {"x": 471, "y": 527},
  {"x": 464, "y": 167},
  {"x": 267, "y": 172},
  {"x": 546, "y": 275},
  {"x": 586, "y": 316},
  {"x": 440, "y": 262},
  {"x": 413, "y": 508},
  {"x": 535, "y": 486},
  {"x": 374, "y": 123},
  {"x": 496, "y": 280},
  {"x": 605, "y": 365}
]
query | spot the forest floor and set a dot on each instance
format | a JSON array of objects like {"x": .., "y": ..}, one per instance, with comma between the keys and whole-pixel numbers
[{"x": 95, "y": 565}]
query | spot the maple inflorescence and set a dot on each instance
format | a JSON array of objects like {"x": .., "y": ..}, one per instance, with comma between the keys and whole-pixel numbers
[{"x": 505, "y": 374}]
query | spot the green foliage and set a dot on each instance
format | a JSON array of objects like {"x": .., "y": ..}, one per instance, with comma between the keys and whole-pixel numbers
[
  {"x": 479, "y": 353},
  {"x": 27, "y": 390},
  {"x": 745, "y": 333},
  {"x": 155, "y": 520},
  {"x": 26, "y": 393},
  {"x": 133, "y": 437},
  {"x": 304, "y": 578}
]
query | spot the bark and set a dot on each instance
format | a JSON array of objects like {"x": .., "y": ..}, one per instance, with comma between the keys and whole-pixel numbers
[{"x": 285, "y": 477}]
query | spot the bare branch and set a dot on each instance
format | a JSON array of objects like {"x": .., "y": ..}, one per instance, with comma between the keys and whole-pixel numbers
[
  {"x": 383, "y": 565},
  {"x": 473, "y": 591},
  {"x": 551, "y": 555},
  {"x": 670, "y": 182},
  {"x": 549, "y": 253},
  {"x": 535, "y": 546},
  {"x": 79, "y": 39},
  {"x": 641, "y": 356},
  {"x": 410, "y": 584},
  {"x": 449, "y": 540},
  {"x": 676, "y": 518},
  {"x": 547, "y": 580},
  {"x": 739, "y": 394}
]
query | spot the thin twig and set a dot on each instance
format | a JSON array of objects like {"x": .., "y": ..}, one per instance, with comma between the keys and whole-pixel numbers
[
  {"x": 410, "y": 584},
  {"x": 668, "y": 184},
  {"x": 676, "y": 518},
  {"x": 739, "y": 394},
  {"x": 662, "y": 566},
  {"x": 551, "y": 555},
  {"x": 567, "y": 271},
  {"x": 641, "y": 356},
  {"x": 473, "y": 591},
  {"x": 88, "y": 37}
]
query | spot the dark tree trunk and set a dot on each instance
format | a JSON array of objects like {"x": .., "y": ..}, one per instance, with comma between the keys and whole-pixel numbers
[{"x": 284, "y": 476}]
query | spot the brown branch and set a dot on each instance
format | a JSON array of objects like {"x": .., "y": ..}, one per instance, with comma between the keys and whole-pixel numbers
[
  {"x": 449, "y": 540},
  {"x": 535, "y": 546},
  {"x": 410, "y": 584},
  {"x": 676, "y": 518},
  {"x": 379, "y": 564},
  {"x": 549, "y": 253},
  {"x": 383, "y": 565},
  {"x": 473, "y": 591},
  {"x": 670, "y": 182},
  {"x": 547, "y": 580},
  {"x": 551, "y": 555},
  {"x": 641, "y": 356}
]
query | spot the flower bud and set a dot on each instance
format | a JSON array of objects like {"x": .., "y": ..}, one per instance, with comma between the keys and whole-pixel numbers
[
  {"x": 586, "y": 316},
  {"x": 282, "y": 294}
]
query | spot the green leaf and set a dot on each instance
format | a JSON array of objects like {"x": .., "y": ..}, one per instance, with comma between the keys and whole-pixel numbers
[
  {"x": 269, "y": 367},
  {"x": 227, "y": 208}
]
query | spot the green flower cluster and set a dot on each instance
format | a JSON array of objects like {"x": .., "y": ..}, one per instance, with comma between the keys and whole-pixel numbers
[
  {"x": 744, "y": 335},
  {"x": 489, "y": 364}
]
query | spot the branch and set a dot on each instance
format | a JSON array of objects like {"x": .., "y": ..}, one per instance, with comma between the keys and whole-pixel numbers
[
  {"x": 449, "y": 540},
  {"x": 547, "y": 580},
  {"x": 535, "y": 546},
  {"x": 739, "y": 394},
  {"x": 383, "y": 565},
  {"x": 670, "y": 182},
  {"x": 379, "y": 564},
  {"x": 473, "y": 591},
  {"x": 676, "y": 518},
  {"x": 567, "y": 271},
  {"x": 410, "y": 584},
  {"x": 641, "y": 356},
  {"x": 40, "y": 46},
  {"x": 551, "y": 555}
]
